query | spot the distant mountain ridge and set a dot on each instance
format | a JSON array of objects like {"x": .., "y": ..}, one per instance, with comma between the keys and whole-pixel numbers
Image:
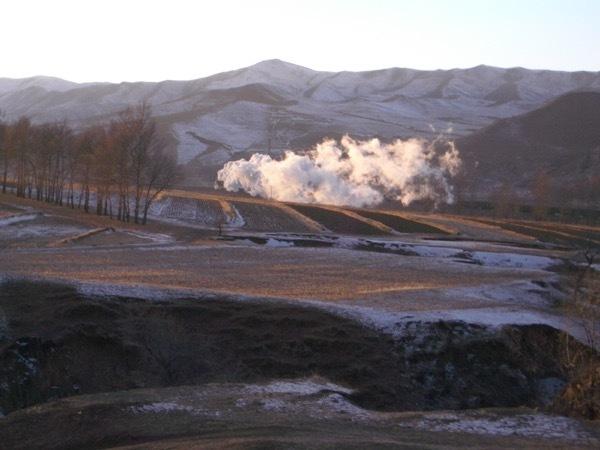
[{"x": 275, "y": 105}]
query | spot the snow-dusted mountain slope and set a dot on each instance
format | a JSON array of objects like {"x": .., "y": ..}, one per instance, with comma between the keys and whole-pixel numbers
[{"x": 275, "y": 105}]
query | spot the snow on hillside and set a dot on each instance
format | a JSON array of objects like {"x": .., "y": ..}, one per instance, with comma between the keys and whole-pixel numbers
[
  {"x": 275, "y": 105},
  {"x": 47, "y": 83}
]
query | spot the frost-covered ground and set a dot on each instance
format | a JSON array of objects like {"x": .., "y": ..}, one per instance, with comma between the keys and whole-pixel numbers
[
  {"x": 379, "y": 281},
  {"x": 489, "y": 255},
  {"x": 16, "y": 218},
  {"x": 303, "y": 413},
  {"x": 389, "y": 284},
  {"x": 327, "y": 401},
  {"x": 531, "y": 424},
  {"x": 31, "y": 228}
]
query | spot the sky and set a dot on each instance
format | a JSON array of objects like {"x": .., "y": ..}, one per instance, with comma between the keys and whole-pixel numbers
[{"x": 152, "y": 40}]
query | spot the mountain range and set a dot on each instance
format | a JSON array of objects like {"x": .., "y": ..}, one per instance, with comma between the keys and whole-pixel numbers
[{"x": 274, "y": 105}]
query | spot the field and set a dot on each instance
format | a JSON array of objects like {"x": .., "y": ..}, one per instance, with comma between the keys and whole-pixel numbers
[
  {"x": 338, "y": 221},
  {"x": 260, "y": 217},
  {"x": 399, "y": 223},
  {"x": 207, "y": 213},
  {"x": 245, "y": 321},
  {"x": 557, "y": 233}
]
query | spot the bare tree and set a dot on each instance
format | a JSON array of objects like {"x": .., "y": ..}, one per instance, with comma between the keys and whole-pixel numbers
[
  {"x": 125, "y": 161},
  {"x": 541, "y": 195},
  {"x": 4, "y": 152},
  {"x": 158, "y": 176},
  {"x": 504, "y": 200},
  {"x": 88, "y": 143},
  {"x": 144, "y": 166},
  {"x": 20, "y": 146}
]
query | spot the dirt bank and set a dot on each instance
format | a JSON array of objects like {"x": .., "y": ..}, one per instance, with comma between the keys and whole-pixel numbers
[{"x": 58, "y": 343}]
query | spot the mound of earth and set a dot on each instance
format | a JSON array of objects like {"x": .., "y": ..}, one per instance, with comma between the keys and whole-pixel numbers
[{"x": 57, "y": 342}]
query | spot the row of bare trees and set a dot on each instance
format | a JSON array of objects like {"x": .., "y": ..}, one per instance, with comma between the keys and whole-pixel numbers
[{"x": 117, "y": 170}]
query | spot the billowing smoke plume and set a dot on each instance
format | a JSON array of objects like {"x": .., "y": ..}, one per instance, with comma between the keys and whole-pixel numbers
[{"x": 357, "y": 173}]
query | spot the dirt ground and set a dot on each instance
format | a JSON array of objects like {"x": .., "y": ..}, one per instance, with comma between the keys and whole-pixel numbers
[
  {"x": 81, "y": 371},
  {"x": 233, "y": 417},
  {"x": 296, "y": 273},
  {"x": 347, "y": 297},
  {"x": 441, "y": 276}
]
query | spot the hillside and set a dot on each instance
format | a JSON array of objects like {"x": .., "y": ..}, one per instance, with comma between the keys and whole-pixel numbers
[
  {"x": 275, "y": 105},
  {"x": 559, "y": 141}
]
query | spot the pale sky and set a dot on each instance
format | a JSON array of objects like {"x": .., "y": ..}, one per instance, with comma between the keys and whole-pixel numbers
[{"x": 151, "y": 40}]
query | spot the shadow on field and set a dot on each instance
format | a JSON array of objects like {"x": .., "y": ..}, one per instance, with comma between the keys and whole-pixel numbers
[{"x": 54, "y": 342}]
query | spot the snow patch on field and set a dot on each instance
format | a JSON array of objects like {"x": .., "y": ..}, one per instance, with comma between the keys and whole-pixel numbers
[
  {"x": 278, "y": 243},
  {"x": 236, "y": 221},
  {"x": 163, "y": 408},
  {"x": 430, "y": 251},
  {"x": 17, "y": 218},
  {"x": 144, "y": 292},
  {"x": 521, "y": 293},
  {"x": 157, "y": 238},
  {"x": 325, "y": 407},
  {"x": 274, "y": 404},
  {"x": 526, "y": 425},
  {"x": 509, "y": 260},
  {"x": 339, "y": 404},
  {"x": 158, "y": 206},
  {"x": 299, "y": 387},
  {"x": 393, "y": 322},
  {"x": 484, "y": 258},
  {"x": 318, "y": 398},
  {"x": 23, "y": 231},
  {"x": 513, "y": 260},
  {"x": 529, "y": 303}
]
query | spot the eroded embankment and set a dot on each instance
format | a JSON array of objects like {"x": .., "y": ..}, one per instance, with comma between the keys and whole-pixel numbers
[{"x": 54, "y": 342}]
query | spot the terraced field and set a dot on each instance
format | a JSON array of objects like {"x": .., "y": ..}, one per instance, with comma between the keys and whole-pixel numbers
[
  {"x": 559, "y": 234},
  {"x": 337, "y": 221},
  {"x": 398, "y": 223},
  {"x": 260, "y": 215},
  {"x": 263, "y": 217},
  {"x": 204, "y": 212}
]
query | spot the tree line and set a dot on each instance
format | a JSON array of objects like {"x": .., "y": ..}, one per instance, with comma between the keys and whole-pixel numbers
[{"x": 116, "y": 170}]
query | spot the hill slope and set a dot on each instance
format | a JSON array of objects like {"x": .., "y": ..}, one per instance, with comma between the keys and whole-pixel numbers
[
  {"x": 275, "y": 105},
  {"x": 559, "y": 141}
]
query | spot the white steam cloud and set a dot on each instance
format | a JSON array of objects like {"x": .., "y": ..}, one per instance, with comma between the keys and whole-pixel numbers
[{"x": 356, "y": 173}]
